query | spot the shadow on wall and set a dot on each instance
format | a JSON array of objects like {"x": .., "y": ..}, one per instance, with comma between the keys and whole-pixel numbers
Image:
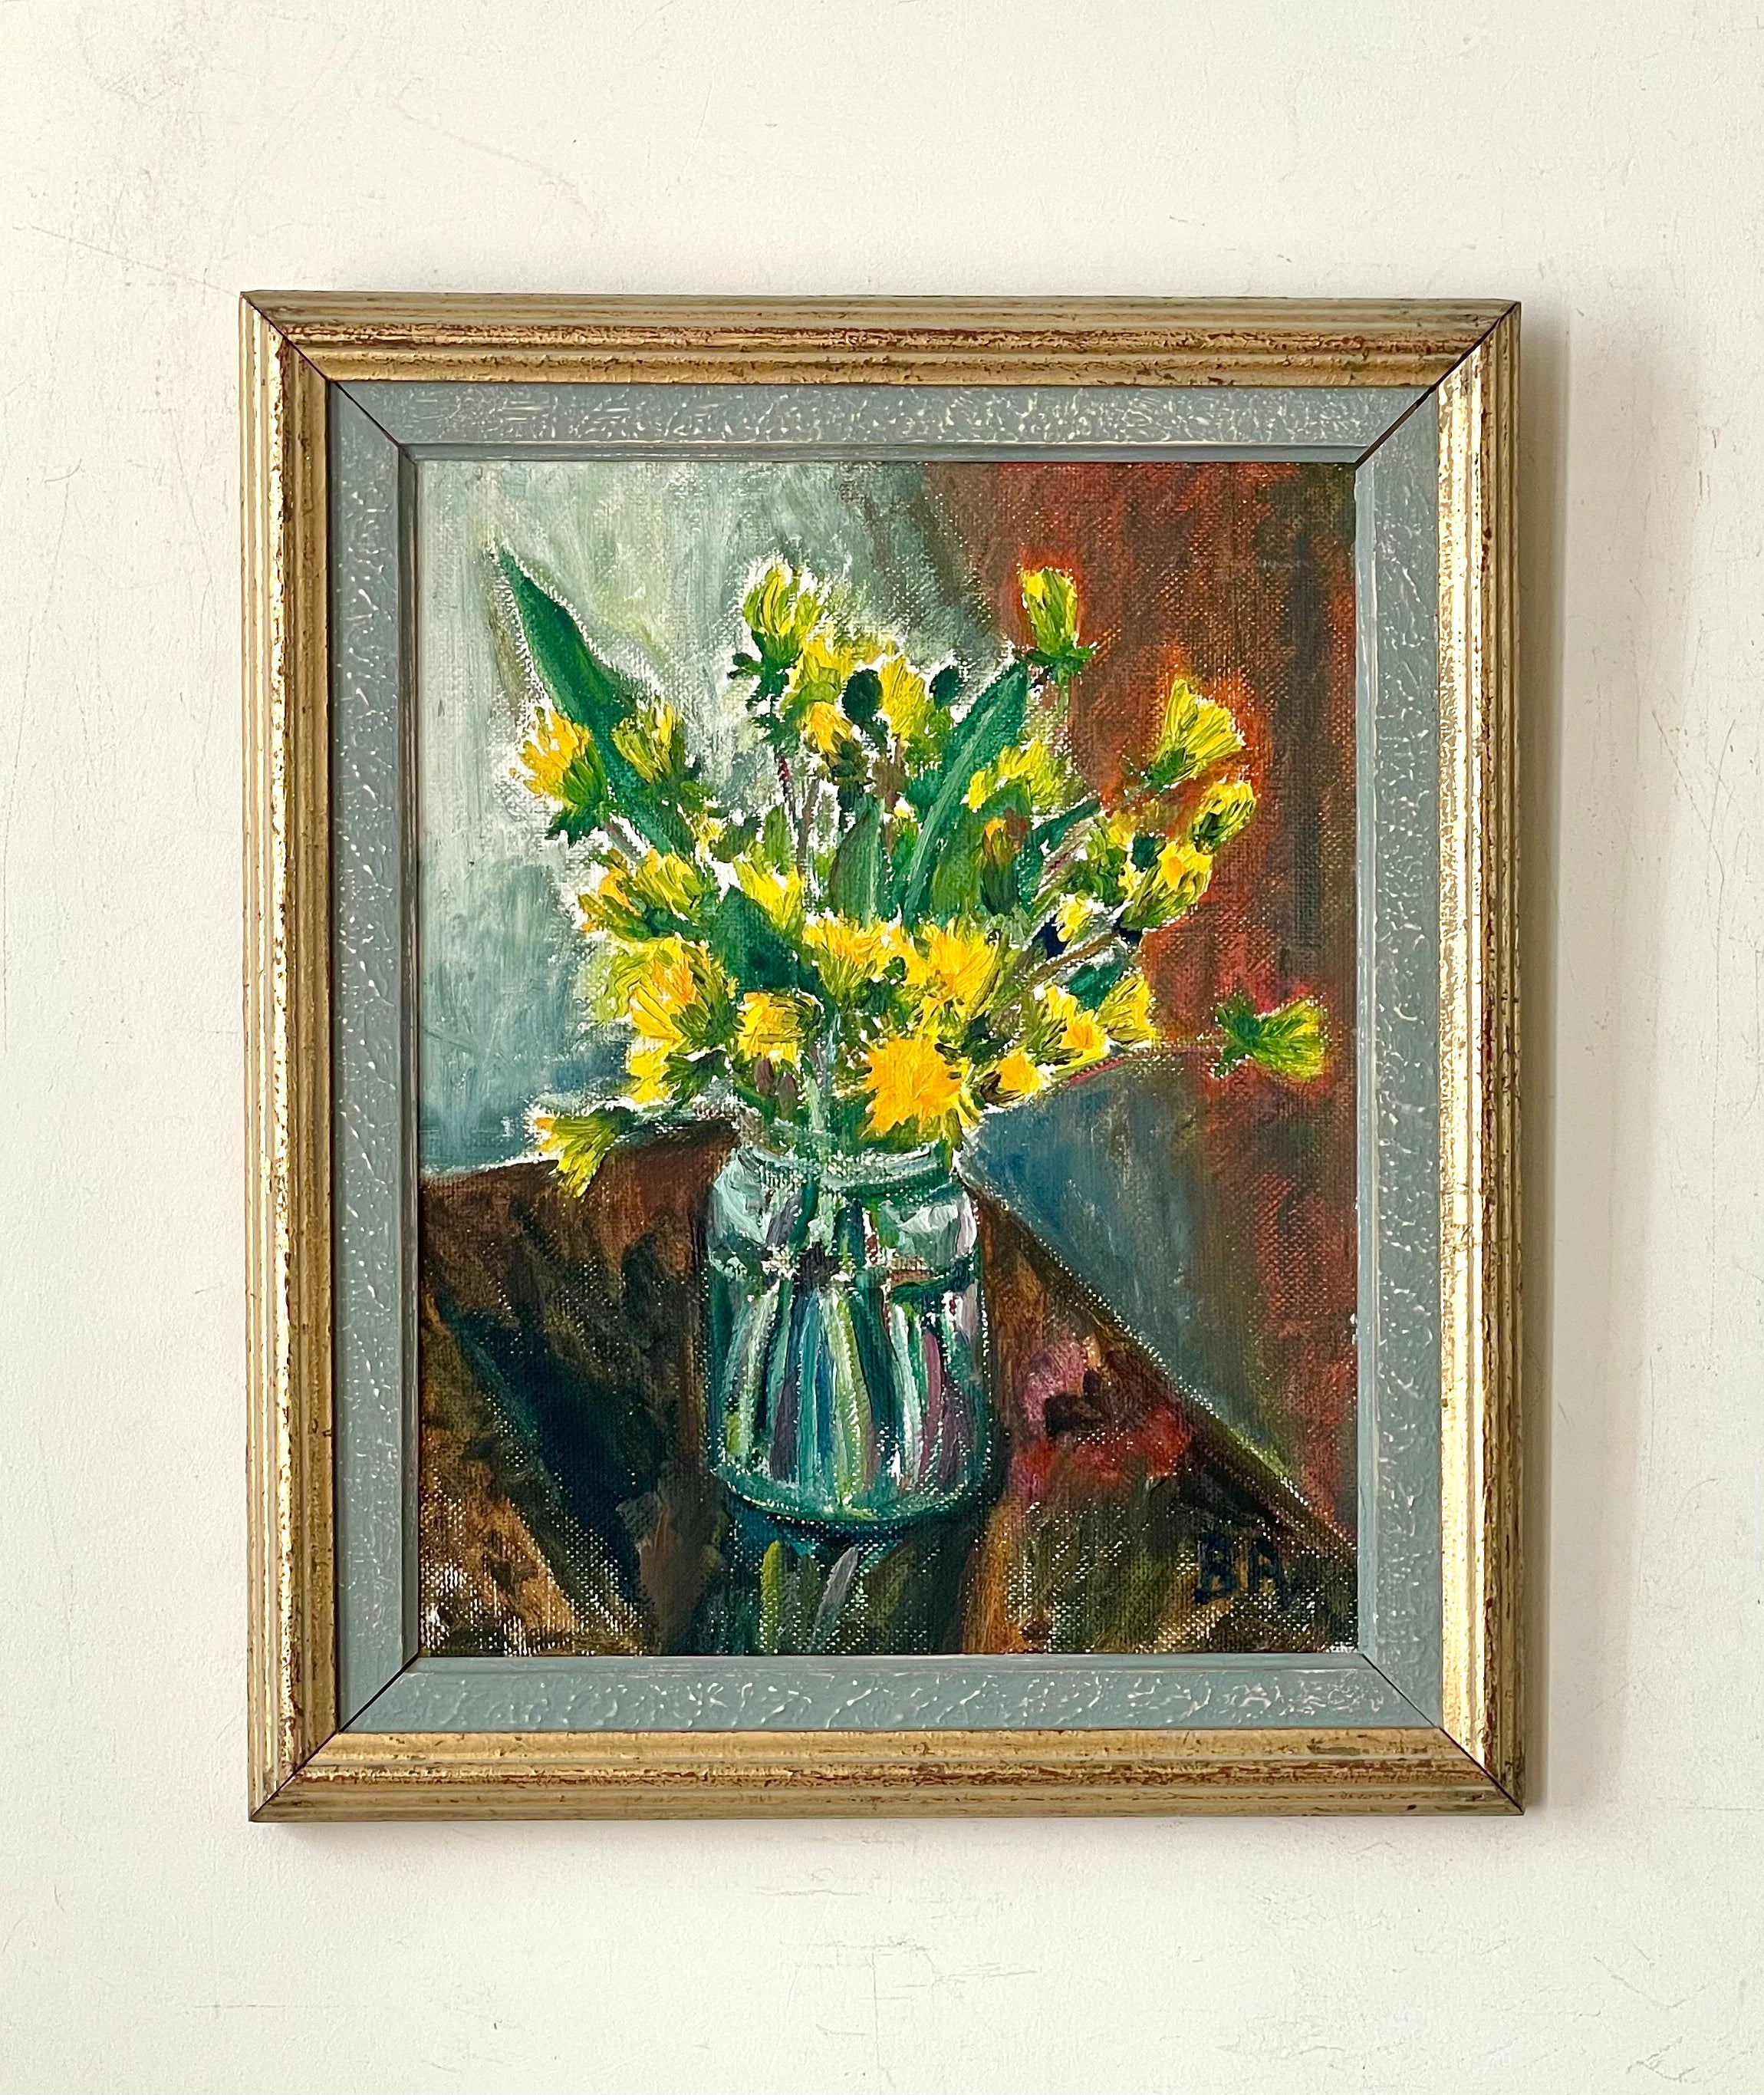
[{"x": 1593, "y": 824}]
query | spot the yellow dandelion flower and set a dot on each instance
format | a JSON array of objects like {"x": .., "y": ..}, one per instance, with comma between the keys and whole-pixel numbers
[
  {"x": 823, "y": 670},
  {"x": 650, "y": 743},
  {"x": 1071, "y": 917},
  {"x": 848, "y": 953},
  {"x": 1126, "y": 1013},
  {"x": 553, "y": 744},
  {"x": 905, "y": 701},
  {"x": 667, "y": 883},
  {"x": 660, "y": 987},
  {"x": 779, "y": 895},
  {"x": 951, "y": 969},
  {"x": 578, "y": 1143},
  {"x": 1050, "y": 597},
  {"x": 1291, "y": 1042},
  {"x": 771, "y": 1026},
  {"x": 1196, "y": 734},
  {"x": 1223, "y": 813},
  {"x": 1034, "y": 767},
  {"x": 607, "y": 906},
  {"x": 1083, "y": 1039},
  {"x": 1185, "y": 871},
  {"x": 782, "y": 609},
  {"x": 827, "y": 727},
  {"x": 1018, "y": 1077},
  {"x": 913, "y": 1083},
  {"x": 646, "y": 1063},
  {"x": 1175, "y": 882},
  {"x": 706, "y": 828}
]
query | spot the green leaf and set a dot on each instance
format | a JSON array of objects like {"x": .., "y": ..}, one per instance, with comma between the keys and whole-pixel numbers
[
  {"x": 1091, "y": 984},
  {"x": 1049, "y": 835},
  {"x": 1290, "y": 1041},
  {"x": 778, "y": 846},
  {"x": 854, "y": 880},
  {"x": 597, "y": 698},
  {"x": 956, "y": 878},
  {"x": 990, "y": 726},
  {"x": 753, "y": 951}
]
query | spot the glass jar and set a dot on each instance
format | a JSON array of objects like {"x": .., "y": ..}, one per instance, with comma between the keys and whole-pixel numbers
[{"x": 846, "y": 1354}]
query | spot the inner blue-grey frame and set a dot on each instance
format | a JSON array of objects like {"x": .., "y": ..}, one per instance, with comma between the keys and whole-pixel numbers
[{"x": 1390, "y": 435}]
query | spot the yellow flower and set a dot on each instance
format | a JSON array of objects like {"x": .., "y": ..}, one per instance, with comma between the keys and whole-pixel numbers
[
  {"x": 673, "y": 994},
  {"x": 848, "y": 954},
  {"x": 1224, "y": 812},
  {"x": 706, "y": 828},
  {"x": 1034, "y": 767},
  {"x": 660, "y": 987},
  {"x": 823, "y": 670},
  {"x": 1050, "y": 597},
  {"x": 1196, "y": 734},
  {"x": 578, "y": 1143},
  {"x": 770, "y": 1025},
  {"x": 827, "y": 727},
  {"x": 1018, "y": 1077},
  {"x": 1290, "y": 1041},
  {"x": 1071, "y": 917},
  {"x": 1126, "y": 1013},
  {"x": 1185, "y": 871},
  {"x": 950, "y": 968},
  {"x": 667, "y": 883},
  {"x": 627, "y": 899},
  {"x": 1084, "y": 1040},
  {"x": 650, "y": 742},
  {"x": 607, "y": 906},
  {"x": 553, "y": 744},
  {"x": 913, "y": 1083},
  {"x": 646, "y": 1063},
  {"x": 1175, "y": 883},
  {"x": 1082, "y": 1037},
  {"x": 782, "y": 609},
  {"x": 905, "y": 703},
  {"x": 779, "y": 895}
]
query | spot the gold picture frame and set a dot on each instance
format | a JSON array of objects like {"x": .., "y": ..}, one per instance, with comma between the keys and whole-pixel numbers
[{"x": 297, "y": 350}]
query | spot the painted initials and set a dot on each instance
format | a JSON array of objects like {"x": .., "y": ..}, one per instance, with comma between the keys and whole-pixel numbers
[{"x": 1219, "y": 1578}]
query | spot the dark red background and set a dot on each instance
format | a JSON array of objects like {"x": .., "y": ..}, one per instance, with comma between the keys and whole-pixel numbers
[{"x": 1241, "y": 575}]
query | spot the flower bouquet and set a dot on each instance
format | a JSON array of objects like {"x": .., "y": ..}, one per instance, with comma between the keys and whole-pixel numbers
[{"x": 915, "y": 913}]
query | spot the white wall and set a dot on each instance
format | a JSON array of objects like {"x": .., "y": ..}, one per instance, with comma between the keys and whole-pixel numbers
[{"x": 1602, "y": 163}]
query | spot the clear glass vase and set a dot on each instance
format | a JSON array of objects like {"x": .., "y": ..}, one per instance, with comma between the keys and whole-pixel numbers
[{"x": 846, "y": 1352}]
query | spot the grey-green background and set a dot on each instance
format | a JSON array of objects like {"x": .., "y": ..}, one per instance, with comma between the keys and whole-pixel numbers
[{"x": 653, "y": 556}]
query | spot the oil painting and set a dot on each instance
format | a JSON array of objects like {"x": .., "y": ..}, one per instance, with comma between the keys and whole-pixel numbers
[{"x": 886, "y": 990}]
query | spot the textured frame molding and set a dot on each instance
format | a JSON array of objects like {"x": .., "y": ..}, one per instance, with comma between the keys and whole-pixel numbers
[{"x": 295, "y": 349}]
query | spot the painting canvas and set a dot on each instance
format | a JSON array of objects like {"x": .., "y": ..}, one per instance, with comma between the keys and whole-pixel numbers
[{"x": 886, "y": 1020}]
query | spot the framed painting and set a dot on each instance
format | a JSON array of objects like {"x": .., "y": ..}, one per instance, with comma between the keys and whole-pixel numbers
[{"x": 882, "y": 1029}]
